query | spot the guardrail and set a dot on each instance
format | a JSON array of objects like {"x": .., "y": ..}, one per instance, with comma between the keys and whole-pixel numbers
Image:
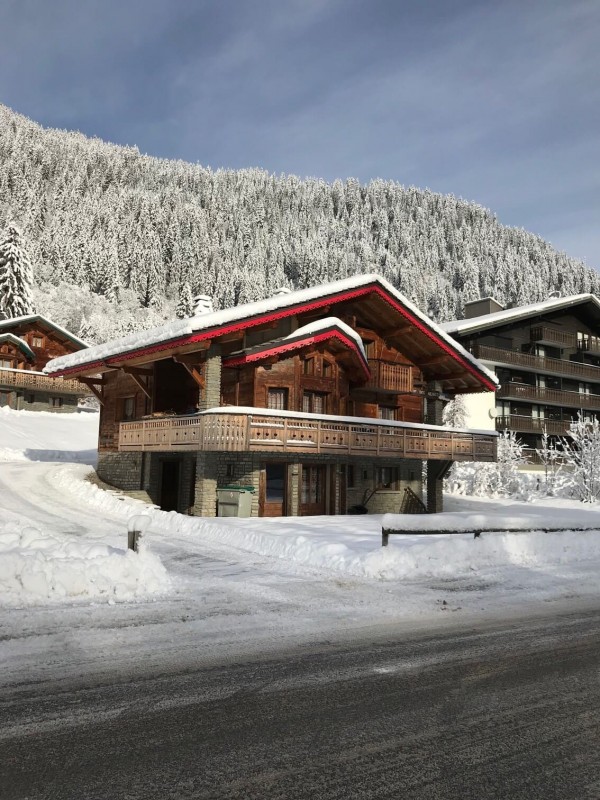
[{"x": 387, "y": 532}]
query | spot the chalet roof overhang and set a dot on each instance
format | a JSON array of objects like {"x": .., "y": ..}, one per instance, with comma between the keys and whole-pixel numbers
[
  {"x": 19, "y": 323},
  {"x": 10, "y": 338},
  {"x": 370, "y": 297},
  {"x": 332, "y": 333},
  {"x": 584, "y": 306}
]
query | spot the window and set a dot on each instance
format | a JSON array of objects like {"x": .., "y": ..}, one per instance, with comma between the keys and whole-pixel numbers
[
  {"x": 277, "y": 398},
  {"x": 125, "y": 408},
  {"x": 55, "y": 402},
  {"x": 327, "y": 369},
  {"x": 230, "y": 470},
  {"x": 6, "y": 363},
  {"x": 387, "y": 477},
  {"x": 309, "y": 366},
  {"x": 37, "y": 341},
  {"x": 350, "y": 477},
  {"x": 387, "y": 412},
  {"x": 314, "y": 402},
  {"x": 30, "y": 398}
]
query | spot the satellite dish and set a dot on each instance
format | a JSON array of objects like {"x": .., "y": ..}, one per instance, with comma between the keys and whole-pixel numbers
[{"x": 493, "y": 413}]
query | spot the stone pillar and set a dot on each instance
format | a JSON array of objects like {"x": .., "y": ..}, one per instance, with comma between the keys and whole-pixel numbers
[
  {"x": 435, "y": 411},
  {"x": 436, "y": 472},
  {"x": 205, "y": 492},
  {"x": 211, "y": 396}
]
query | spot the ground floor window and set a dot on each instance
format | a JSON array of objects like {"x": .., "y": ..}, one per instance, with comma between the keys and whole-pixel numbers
[
  {"x": 55, "y": 402},
  {"x": 312, "y": 485},
  {"x": 387, "y": 477}
]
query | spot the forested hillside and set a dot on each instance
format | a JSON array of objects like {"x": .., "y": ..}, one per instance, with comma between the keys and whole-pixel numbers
[{"x": 108, "y": 228}]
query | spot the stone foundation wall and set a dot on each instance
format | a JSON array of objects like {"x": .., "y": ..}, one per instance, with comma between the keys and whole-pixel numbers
[{"x": 123, "y": 470}]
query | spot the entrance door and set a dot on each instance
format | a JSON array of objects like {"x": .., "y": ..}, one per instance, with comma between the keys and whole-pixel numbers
[
  {"x": 169, "y": 486},
  {"x": 273, "y": 490},
  {"x": 313, "y": 493}
]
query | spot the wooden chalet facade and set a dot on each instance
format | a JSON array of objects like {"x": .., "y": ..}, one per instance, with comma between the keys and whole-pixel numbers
[
  {"x": 546, "y": 357},
  {"x": 317, "y": 400},
  {"x": 26, "y": 345}
]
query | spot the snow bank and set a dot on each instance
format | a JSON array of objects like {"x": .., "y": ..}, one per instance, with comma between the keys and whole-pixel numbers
[
  {"x": 47, "y": 436},
  {"x": 352, "y": 545},
  {"x": 36, "y": 567}
]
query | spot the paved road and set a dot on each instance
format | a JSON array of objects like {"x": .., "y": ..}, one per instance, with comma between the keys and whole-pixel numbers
[{"x": 504, "y": 712}]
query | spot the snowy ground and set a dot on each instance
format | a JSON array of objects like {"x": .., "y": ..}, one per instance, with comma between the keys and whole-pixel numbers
[{"x": 249, "y": 586}]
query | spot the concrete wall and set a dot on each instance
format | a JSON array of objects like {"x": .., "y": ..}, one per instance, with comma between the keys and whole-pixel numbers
[{"x": 478, "y": 408}]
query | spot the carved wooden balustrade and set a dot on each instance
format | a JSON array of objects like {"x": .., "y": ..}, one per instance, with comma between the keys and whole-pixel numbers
[{"x": 266, "y": 432}]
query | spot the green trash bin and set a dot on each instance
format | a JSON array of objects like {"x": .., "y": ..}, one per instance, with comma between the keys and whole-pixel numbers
[{"x": 234, "y": 501}]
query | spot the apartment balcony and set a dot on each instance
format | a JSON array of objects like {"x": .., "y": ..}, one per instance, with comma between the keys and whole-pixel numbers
[
  {"x": 551, "y": 397},
  {"x": 523, "y": 424},
  {"x": 589, "y": 345},
  {"x": 549, "y": 366},
  {"x": 24, "y": 379},
  {"x": 272, "y": 432},
  {"x": 554, "y": 338}
]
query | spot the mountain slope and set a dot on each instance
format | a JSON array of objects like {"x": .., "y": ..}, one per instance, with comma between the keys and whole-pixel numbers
[{"x": 135, "y": 229}]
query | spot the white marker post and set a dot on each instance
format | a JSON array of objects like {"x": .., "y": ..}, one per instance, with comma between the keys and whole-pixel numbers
[{"x": 136, "y": 527}]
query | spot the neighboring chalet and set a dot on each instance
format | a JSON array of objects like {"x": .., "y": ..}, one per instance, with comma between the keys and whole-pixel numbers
[
  {"x": 26, "y": 345},
  {"x": 318, "y": 399},
  {"x": 546, "y": 357}
]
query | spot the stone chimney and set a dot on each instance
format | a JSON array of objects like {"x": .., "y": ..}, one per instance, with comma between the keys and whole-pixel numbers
[{"x": 478, "y": 308}]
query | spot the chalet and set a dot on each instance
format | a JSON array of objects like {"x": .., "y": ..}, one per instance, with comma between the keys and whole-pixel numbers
[
  {"x": 546, "y": 357},
  {"x": 26, "y": 345},
  {"x": 318, "y": 400}
]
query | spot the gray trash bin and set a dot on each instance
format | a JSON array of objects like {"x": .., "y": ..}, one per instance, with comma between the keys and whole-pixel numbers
[{"x": 235, "y": 501}]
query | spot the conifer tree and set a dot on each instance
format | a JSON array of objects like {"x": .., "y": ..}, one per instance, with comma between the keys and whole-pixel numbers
[
  {"x": 15, "y": 275},
  {"x": 185, "y": 306}
]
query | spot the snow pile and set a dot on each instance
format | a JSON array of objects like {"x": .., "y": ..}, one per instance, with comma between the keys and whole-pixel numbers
[
  {"x": 352, "y": 545},
  {"x": 47, "y": 436},
  {"x": 36, "y": 567}
]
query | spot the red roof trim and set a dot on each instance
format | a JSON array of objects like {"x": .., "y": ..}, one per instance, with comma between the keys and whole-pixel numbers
[
  {"x": 273, "y": 316},
  {"x": 297, "y": 344}
]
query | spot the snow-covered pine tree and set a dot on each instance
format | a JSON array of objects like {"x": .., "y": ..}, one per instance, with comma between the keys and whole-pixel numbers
[
  {"x": 582, "y": 454},
  {"x": 506, "y": 470},
  {"x": 455, "y": 413},
  {"x": 185, "y": 305},
  {"x": 16, "y": 279}
]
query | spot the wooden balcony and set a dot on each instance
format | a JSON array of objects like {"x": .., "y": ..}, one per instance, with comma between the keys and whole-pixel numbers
[
  {"x": 549, "y": 366},
  {"x": 553, "y": 337},
  {"x": 310, "y": 433},
  {"x": 386, "y": 377},
  {"x": 524, "y": 424},
  {"x": 22, "y": 379},
  {"x": 554, "y": 397},
  {"x": 590, "y": 345}
]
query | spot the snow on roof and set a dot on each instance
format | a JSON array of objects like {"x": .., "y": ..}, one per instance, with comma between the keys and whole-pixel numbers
[
  {"x": 8, "y": 323},
  {"x": 217, "y": 319},
  {"x": 520, "y": 312},
  {"x": 324, "y": 324},
  {"x": 21, "y": 343}
]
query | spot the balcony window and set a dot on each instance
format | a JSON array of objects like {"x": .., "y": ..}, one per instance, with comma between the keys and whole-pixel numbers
[
  {"x": 6, "y": 363},
  {"x": 314, "y": 402},
  {"x": 277, "y": 399},
  {"x": 125, "y": 409},
  {"x": 37, "y": 341},
  {"x": 387, "y": 412},
  {"x": 309, "y": 366}
]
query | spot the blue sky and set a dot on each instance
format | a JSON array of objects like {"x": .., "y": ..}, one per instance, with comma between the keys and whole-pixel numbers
[{"x": 493, "y": 100}]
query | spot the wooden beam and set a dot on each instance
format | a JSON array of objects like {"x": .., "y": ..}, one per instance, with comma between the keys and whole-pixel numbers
[
  {"x": 197, "y": 376},
  {"x": 431, "y": 362},
  {"x": 397, "y": 331},
  {"x": 138, "y": 379},
  {"x": 148, "y": 371},
  {"x": 92, "y": 383}
]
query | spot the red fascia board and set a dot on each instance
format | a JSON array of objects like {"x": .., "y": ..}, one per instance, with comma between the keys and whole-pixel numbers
[
  {"x": 297, "y": 344},
  {"x": 273, "y": 316}
]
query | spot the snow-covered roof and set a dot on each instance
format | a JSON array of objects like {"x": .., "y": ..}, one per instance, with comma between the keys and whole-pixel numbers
[
  {"x": 461, "y": 326},
  {"x": 20, "y": 343},
  {"x": 318, "y": 331},
  {"x": 10, "y": 323},
  {"x": 226, "y": 319}
]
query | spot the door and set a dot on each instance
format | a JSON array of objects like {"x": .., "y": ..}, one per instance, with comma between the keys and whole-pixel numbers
[
  {"x": 273, "y": 490},
  {"x": 313, "y": 492},
  {"x": 169, "y": 486}
]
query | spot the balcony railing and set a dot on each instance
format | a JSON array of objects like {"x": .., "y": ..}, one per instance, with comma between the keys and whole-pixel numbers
[
  {"x": 551, "y": 366},
  {"x": 524, "y": 424},
  {"x": 551, "y": 336},
  {"x": 308, "y": 433},
  {"x": 590, "y": 345},
  {"x": 390, "y": 377},
  {"x": 557, "y": 397},
  {"x": 22, "y": 379}
]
